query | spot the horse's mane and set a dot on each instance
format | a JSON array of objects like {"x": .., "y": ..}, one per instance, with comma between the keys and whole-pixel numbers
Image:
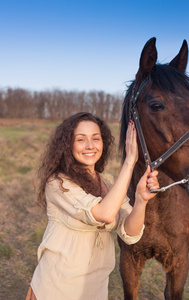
[
  {"x": 167, "y": 79},
  {"x": 163, "y": 77}
]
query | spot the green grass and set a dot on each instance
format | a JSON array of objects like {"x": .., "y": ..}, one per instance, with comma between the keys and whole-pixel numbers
[
  {"x": 22, "y": 223},
  {"x": 37, "y": 235},
  {"x": 13, "y": 132},
  {"x": 6, "y": 250}
]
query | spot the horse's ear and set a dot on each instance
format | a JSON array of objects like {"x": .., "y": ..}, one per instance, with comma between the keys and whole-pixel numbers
[
  {"x": 148, "y": 58},
  {"x": 180, "y": 61}
]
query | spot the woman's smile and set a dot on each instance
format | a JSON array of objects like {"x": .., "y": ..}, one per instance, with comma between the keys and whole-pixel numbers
[{"x": 89, "y": 154}]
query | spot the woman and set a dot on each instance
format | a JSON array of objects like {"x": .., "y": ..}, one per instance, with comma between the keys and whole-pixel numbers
[{"x": 77, "y": 255}]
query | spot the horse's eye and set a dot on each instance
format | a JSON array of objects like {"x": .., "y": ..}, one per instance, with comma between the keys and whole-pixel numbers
[{"x": 156, "y": 106}]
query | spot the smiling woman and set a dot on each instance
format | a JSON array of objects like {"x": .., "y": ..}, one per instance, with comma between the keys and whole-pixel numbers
[
  {"x": 77, "y": 253},
  {"x": 88, "y": 144},
  {"x": 65, "y": 150}
]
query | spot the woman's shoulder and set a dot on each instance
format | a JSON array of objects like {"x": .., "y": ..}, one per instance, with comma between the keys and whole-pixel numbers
[{"x": 61, "y": 180}]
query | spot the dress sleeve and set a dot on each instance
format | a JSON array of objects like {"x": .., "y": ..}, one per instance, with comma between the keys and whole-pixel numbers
[
  {"x": 74, "y": 204},
  {"x": 124, "y": 211}
]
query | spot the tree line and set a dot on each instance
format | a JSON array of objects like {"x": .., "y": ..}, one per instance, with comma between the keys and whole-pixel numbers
[{"x": 58, "y": 104}]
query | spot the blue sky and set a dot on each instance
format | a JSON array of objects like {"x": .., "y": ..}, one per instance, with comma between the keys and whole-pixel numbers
[{"x": 84, "y": 44}]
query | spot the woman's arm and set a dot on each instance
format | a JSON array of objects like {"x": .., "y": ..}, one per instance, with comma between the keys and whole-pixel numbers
[{"x": 106, "y": 210}]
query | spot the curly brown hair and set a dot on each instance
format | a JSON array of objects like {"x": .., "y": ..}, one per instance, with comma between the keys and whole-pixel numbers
[{"x": 58, "y": 157}]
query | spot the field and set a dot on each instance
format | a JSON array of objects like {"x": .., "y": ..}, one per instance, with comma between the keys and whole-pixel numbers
[{"x": 22, "y": 223}]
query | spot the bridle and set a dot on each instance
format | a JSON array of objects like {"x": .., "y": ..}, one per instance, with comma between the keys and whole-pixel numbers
[{"x": 155, "y": 164}]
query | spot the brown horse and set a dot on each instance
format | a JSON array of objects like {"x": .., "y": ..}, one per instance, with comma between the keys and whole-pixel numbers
[{"x": 163, "y": 109}]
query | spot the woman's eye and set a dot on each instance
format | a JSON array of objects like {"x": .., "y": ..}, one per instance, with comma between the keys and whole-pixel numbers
[{"x": 156, "y": 106}]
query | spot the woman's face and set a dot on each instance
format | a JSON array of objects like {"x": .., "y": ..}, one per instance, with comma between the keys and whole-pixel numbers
[{"x": 88, "y": 145}]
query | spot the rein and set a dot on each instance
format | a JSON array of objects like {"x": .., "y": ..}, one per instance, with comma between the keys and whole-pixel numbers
[{"x": 154, "y": 165}]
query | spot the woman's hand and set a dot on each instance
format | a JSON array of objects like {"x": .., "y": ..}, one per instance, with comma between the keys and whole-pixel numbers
[
  {"x": 147, "y": 182},
  {"x": 134, "y": 222},
  {"x": 131, "y": 146}
]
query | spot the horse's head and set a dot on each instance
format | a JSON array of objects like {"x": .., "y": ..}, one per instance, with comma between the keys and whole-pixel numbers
[{"x": 163, "y": 107}]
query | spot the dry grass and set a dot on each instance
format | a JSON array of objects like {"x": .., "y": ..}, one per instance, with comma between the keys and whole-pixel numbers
[{"x": 22, "y": 224}]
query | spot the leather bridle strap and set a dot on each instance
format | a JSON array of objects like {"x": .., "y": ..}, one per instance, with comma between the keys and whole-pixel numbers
[
  {"x": 154, "y": 165},
  {"x": 141, "y": 136},
  {"x": 134, "y": 98},
  {"x": 135, "y": 116}
]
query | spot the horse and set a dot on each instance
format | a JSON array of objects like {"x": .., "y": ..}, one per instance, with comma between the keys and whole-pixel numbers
[{"x": 159, "y": 96}]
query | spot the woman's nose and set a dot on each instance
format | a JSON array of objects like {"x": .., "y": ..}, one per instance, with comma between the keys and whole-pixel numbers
[{"x": 89, "y": 144}]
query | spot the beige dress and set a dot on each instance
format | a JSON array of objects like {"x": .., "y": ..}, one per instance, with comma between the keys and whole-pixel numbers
[{"x": 77, "y": 253}]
